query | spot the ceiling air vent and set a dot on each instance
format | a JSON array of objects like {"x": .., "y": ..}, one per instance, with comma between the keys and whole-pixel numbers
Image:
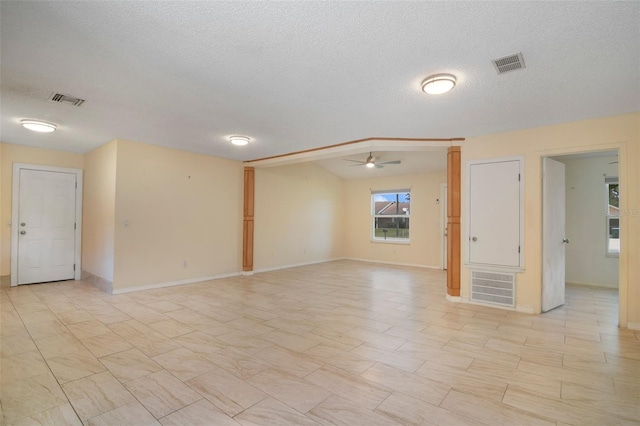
[
  {"x": 66, "y": 99},
  {"x": 509, "y": 63}
]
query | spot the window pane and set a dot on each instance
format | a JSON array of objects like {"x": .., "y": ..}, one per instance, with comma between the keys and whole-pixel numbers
[
  {"x": 614, "y": 195},
  {"x": 614, "y": 228},
  {"x": 391, "y": 211},
  {"x": 613, "y": 219},
  {"x": 392, "y": 203},
  {"x": 391, "y": 228}
]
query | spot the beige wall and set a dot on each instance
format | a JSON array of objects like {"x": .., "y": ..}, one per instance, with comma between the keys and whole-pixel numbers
[
  {"x": 621, "y": 132},
  {"x": 586, "y": 209},
  {"x": 299, "y": 216},
  {"x": 98, "y": 211},
  {"x": 425, "y": 248},
  {"x": 180, "y": 207},
  {"x": 23, "y": 154}
]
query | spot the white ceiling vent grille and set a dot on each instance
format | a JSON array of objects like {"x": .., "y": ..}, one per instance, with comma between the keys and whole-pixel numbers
[
  {"x": 497, "y": 288},
  {"x": 66, "y": 99},
  {"x": 509, "y": 63}
]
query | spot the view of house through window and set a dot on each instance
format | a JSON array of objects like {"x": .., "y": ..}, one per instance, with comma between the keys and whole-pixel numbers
[
  {"x": 390, "y": 212},
  {"x": 613, "y": 216}
]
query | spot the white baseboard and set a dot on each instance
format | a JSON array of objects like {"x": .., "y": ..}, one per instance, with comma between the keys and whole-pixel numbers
[
  {"x": 525, "y": 309},
  {"x": 173, "y": 283},
  {"x": 295, "y": 265},
  {"x": 455, "y": 299},
  {"x": 518, "y": 308},
  {"x": 394, "y": 263},
  {"x": 590, "y": 285},
  {"x": 97, "y": 281},
  {"x": 633, "y": 325}
]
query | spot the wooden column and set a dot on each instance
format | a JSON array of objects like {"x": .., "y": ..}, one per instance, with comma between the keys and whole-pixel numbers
[
  {"x": 247, "y": 223},
  {"x": 453, "y": 221}
]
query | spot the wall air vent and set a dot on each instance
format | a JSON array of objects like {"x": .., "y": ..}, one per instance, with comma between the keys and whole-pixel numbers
[
  {"x": 497, "y": 288},
  {"x": 66, "y": 99},
  {"x": 509, "y": 63}
]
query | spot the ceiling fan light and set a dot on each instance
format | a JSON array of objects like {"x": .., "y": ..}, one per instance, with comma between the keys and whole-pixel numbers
[
  {"x": 439, "y": 84},
  {"x": 370, "y": 164},
  {"x": 38, "y": 126},
  {"x": 239, "y": 140}
]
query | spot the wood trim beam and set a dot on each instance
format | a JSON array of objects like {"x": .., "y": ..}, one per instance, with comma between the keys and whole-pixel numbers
[
  {"x": 247, "y": 222},
  {"x": 322, "y": 148},
  {"x": 453, "y": 220}
]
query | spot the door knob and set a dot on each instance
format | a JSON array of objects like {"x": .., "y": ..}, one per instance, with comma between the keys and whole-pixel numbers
[
  {"x": 565, "y": 240},
  {"x": 23, "y": 232},
  {"x": 474, "y": 239}
]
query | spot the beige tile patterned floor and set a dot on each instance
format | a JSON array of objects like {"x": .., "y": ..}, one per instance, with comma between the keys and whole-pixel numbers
[{"x": 340, "y": 343}]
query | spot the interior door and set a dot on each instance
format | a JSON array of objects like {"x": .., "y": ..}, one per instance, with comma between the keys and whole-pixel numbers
[
  {"x": 46, "y": 226},
  {"x": 494, "y": 213},
  {"x": 553, "y": 234}
]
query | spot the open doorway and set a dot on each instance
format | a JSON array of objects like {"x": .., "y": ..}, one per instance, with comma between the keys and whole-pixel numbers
[{"x": 585, "y": 257}]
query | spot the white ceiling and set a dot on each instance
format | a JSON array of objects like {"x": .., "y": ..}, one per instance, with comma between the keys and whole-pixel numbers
[{"x": 300, "y": 75}]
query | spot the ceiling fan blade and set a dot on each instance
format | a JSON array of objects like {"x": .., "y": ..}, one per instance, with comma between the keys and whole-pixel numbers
[
  {"x": 354, "y": 161},
  {"x": 392, "y": 162},
  {"x": 357, "y": 165},
  {"x": 379, "y": 166}
]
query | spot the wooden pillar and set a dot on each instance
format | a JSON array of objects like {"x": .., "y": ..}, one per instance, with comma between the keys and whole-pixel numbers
[
  {"x": 247, "y": 223},
  {"x": 453, "y": 221}
]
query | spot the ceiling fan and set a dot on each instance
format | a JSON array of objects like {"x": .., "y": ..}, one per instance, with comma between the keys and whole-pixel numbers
[{"x": 371, "y": 162}]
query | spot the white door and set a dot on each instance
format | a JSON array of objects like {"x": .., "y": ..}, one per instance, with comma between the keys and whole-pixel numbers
[
  {"x": 494, "y": 213},
  {"x": 46, "y": 226},
  {"x": 553, "y": 234}
]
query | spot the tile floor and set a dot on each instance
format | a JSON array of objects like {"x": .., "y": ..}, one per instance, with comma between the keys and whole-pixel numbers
[{"x": 341, "y": 343}]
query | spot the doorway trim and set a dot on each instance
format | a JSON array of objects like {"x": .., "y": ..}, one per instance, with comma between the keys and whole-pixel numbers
[
  {"x": 623, "y": 259},
  {"x": 15, "y": 197},
  {"x": 443, "y": 223}
]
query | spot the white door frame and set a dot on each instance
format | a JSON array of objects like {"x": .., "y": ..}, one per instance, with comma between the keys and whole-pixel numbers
[
  {"x": 621, "y": 147},
  {"x": 443, "y": 222},
  {"x": 15, "y": 211}
]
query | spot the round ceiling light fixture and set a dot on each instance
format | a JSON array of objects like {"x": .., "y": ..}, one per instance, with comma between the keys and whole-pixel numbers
[
  {"x": 38, "y": 126},
  {"x": 438, "y": 84},
  {"x": 239, "y": 140}
]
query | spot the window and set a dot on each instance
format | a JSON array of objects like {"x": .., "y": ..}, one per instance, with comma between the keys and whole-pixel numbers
[
  {"x": 391, "y": 211},
  {"x": 613, "y": 216}
]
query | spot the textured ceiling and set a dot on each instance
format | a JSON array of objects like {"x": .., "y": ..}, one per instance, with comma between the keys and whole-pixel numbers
[{"x": 299, "y": 75}]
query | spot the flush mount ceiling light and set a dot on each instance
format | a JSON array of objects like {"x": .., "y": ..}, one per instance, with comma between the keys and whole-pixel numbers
[
  {"x": 38, "y": 126},
  {"x": 438, "y": 84},
  {"x": 239, "y": 140}
]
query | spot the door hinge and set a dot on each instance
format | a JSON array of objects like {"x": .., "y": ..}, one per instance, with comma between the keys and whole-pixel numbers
[
  {"x": 518, "y": 249},
  {"x": 76, "y": 184},
  {"x": 518, "y": 177},
  {"x": 74, "y": 225},
  {"x": 74, "y": 266}
]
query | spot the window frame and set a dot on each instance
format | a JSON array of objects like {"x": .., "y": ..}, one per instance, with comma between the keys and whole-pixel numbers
[
  {"x": 609, "y": 217},
  {"x": 374, "y": 217}
]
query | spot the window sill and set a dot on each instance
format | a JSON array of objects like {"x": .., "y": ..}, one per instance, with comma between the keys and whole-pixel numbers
[{"x": 390, "y": 241}]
